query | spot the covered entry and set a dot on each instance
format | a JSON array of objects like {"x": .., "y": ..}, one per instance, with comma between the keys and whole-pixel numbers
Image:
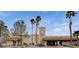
[
  {"x": 53, "y": 43},
  {"x": 56, "y": 40}
]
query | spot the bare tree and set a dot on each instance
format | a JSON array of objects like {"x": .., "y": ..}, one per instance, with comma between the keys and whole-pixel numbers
[{"x": 19, "y": 29}]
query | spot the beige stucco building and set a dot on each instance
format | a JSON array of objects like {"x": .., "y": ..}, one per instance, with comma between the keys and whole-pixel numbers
[
  {"x": 28, "y": 39},
  {"x": 42, "y": 38}
]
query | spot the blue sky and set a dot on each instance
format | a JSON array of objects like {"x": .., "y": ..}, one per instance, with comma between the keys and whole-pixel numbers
[{"x": 55, "y": 21}]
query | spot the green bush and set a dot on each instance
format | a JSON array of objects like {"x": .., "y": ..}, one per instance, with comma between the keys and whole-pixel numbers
[{"x": 40, "y": 45}]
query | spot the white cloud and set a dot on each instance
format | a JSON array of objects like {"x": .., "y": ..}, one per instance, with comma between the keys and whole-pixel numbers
[
  {"x": 57, "y": 29},
  {"x": 60, "y": 28},
  {"x": 64, "y": 24}
]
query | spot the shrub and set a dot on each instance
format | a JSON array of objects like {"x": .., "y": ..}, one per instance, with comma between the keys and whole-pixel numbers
[{"x": 40, "y": 45}]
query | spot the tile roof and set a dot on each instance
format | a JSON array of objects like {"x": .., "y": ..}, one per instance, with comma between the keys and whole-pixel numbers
[{"x": 58, "y": 38}]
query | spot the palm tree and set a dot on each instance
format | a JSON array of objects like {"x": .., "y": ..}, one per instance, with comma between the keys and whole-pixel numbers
[
  {"x": 69, "y": 15},
  {"x": 32, "y": 22},
  {"x": 38, "y": 18}
]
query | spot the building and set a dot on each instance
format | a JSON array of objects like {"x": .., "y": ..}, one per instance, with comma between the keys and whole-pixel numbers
[
  {"x": 51, "y": 40},
  {"x": 46, "y": 40},
  {"x": 57, "y": 40}
]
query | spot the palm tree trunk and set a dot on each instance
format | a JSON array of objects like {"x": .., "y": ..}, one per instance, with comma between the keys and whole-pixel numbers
[
  {"x": 32, "y": 34},
  {"x": 21, "y": 36},
  {"x": 36, "y": 33},
  {"x": 70, "y": 28}
]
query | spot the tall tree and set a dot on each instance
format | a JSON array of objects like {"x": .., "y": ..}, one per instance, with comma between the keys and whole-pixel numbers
[
  {"x": 19, "y": 29},
  {"x": 1, "y": 26},
  {"x": 38, "y": 18},
  {"x": 32, "y": 22},
  {"x": 3, "y": 29},
  {"x": 4, "y": 32},
  {"x": 69, "y": 15}
]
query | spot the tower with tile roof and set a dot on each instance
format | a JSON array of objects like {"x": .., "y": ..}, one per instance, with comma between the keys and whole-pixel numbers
[{"x": 42, "y": 32}]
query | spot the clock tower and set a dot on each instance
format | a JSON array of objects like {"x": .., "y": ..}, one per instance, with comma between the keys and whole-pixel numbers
[{"x": 41, "y": 34}]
